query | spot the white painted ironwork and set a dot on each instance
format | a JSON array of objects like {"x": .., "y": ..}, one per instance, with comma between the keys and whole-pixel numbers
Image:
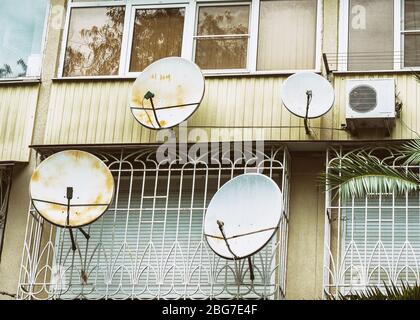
[
  {"x": 150, "y": 244},
  {"x": 373, "y": 240},
  {"x": 5, "y": 184}
]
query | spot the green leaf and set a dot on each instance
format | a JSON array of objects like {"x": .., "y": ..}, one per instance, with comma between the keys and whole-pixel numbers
[
  {"x": 389, "y": 292},
  {"x": 411, "y": 151},
  {"x": 360, "y": 174}
]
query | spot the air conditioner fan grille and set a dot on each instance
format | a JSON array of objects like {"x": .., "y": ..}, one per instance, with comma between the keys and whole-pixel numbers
[{"x": 363, "y": 99}]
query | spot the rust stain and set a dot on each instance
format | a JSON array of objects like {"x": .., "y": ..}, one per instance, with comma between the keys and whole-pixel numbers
[
  {"x": 136, "y": 97},
  {"x": 77, "y": 155},
  {"x": 35, "y": 176},
  {"x": 56, "y": 207},
  {"x": 180, "y": 95},
  {"x": 109, "y": 183},
  {"x": 97, "y": 165}
]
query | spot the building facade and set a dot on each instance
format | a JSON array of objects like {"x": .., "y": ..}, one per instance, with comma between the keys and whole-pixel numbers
[{"x": 64, "y": 84}]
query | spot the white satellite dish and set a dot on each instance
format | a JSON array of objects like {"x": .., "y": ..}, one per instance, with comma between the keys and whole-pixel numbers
[
  {"x": 167, "y": 93},
  {"x": 243, "y": 216},
  {"x": 71, "y": 189},
  {"x": 307, "y": 95}
]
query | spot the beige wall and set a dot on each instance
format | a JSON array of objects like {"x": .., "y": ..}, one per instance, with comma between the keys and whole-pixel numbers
[
  {"x": 19, "y": 200},
  {"x": 306, "y": 227}
]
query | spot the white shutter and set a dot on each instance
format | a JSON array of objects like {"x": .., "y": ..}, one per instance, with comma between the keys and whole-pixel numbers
[{"x": 381, "y": 240}]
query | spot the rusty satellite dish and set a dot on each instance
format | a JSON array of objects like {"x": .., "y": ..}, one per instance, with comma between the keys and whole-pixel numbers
[
  {"x": 307, "y": 95},
  {"x": 72, "y": 189},
  {"x": 167, "y": 93},
  {"x": 243, "y": 216}
]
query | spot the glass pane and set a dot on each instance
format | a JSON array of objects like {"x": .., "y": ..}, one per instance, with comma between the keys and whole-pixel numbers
[
  {"x": 371, "y": 35},
  {"x": 412, "y": 50},
  {"x": 213, "y": 52},
  {"x": 157, "y": 34},
  {"x": 287, "y": 35},
  {"x": 21, "y": 34},
  {"x": 412, "y": 15},
  {"x": 223, "y": 20},
  {"x": 94, "y": 41},
  {"x": 221, "y": 53}
]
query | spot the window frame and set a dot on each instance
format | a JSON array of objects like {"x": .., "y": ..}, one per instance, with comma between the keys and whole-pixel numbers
[
  {"x": 129, "y": 45},
  {"x": 343, "y": 38},
  {"x": 244, "y": 36},
  {"x": 100, "y": 4},
  {"x": 403, "y": 32},
  {"x": 189, "y": 35}
]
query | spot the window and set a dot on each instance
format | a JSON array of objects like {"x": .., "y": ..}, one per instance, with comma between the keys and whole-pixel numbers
[
  {"x": 115, "y": 38},
  {"x": 21, "y": 37},
  {"x": 94, "y": 41},
  {"x": 287, "y": 35},
  {"x": 374, "y": 239},
  {"x": 371, "y": 35},
  {"x": 222, "y": 34},
  {"x": 5, "y": 182},
  {"x": 157, "y": 34},
  {"x": 411, "y": 33},
  {"x": 379, "y": 35},
  {"x": 383, "y": 235}
]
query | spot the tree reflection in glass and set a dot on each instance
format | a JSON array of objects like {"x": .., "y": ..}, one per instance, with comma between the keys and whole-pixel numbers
[
  {"x": 157, "y": 34},
  {"x": 222, "y": 37},
  {"x": 94, "y": 41}
]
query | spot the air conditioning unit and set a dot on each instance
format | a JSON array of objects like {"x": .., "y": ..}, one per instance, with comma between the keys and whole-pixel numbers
[{"x": 370, "y": 104}]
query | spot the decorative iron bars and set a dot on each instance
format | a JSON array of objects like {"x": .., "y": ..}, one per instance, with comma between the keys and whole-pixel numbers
[
  {"x": 372, "y": 240},
  {"x": 5, "y": 184},
  {"x": 149, "y": 244}
]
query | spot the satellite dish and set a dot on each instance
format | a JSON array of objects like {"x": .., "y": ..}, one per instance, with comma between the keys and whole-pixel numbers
[
  {"x": 167, "y": 93},
  {"x": 307, "y": 95},
  {"x": 243, "y": 216},
  {"x": 71, "y": 189}
]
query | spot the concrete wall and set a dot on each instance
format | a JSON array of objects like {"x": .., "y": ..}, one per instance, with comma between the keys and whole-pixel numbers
[{"x": 306, "y": 234}]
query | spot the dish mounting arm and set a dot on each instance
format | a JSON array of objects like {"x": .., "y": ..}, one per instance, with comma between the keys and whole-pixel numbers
[{"x": 308, "y": 103}]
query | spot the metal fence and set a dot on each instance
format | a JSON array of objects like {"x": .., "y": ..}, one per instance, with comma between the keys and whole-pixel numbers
[
  {"x": 149, "y": 244},
  {"x": 372, "y": 240}
]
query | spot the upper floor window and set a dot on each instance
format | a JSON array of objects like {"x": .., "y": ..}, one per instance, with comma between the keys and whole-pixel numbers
[
  {"x": 379, "y": 35},
  {"x": 287, "y": 36},
  {"x": 21, "y": 37},
  {"x": 118, "y": 39},
  {"x": 157, "y": 33},
  {"x": 94, "y": 41},
  {"x": 222, "y": 34},
  {"x": 411, "y": 33}
]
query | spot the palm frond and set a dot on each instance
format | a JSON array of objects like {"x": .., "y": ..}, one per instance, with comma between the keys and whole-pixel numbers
[
  {"x": 411, "y": 151},
  {"x": 360, "y": 174},
  {"x": 389, "y": 292}
]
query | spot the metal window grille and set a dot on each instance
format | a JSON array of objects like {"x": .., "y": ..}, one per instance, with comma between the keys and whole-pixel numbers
[
  {"x": 5, "y": 184},
  {"x": 149, "y": 244},
  {"x": 372, "y": 240}
]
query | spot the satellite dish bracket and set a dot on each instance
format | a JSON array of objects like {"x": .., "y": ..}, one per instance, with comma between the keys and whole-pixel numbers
[
  {"x": 251, "y": 268},
  {"x": 69, "y": 196},
  {"x": 308, "y": 102},
  {"x": 149, "y": 96}
]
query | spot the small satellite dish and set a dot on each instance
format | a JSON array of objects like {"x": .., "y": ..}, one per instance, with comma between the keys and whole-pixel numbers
[
  {"x": 167, "y": 93},
  {"x": 307, "y": 95},
  {"x": 71, "y": 189},
  {"x": 243, "y": 216}
]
